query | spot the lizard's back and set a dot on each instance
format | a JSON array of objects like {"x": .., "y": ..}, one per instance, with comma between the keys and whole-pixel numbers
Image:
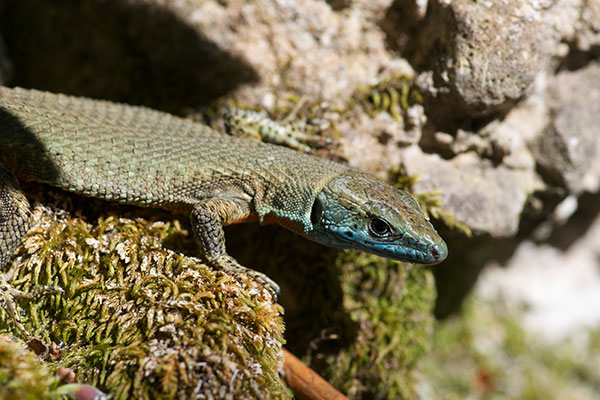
[{"x": 141, "y": 156}]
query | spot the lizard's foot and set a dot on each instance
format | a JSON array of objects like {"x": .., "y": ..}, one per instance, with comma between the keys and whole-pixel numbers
[
  {"x": 208, "y": 218},
  {"x": 255, "y": 126},
  {"x": 8, "y": 297},
  {"x": 230, "y": 265}
]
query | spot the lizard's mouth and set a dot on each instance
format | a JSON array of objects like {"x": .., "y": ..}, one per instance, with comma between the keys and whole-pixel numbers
[
  {"x": 417, "y": 251},
  {"x": 429, "y": 251}
]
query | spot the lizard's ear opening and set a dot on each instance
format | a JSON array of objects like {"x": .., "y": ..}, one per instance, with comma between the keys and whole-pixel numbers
[{"x": 316, "y": 212}]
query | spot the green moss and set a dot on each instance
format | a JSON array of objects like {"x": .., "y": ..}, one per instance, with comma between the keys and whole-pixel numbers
[
  {"x": 393, "y": 95},
  {"x": 137, "y": 320},
  {"x": 140, "y": 321},
  {"x": 391, "y": 305},
  {"x": 485, "y": 353},
  {"x": 22, "y": 375},
  {"x": 360, "y": 321}
]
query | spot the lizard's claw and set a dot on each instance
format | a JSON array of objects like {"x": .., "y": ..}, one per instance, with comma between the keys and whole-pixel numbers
[
  {"x": 9, "y": 295},
  {"x": 230, "y": 265}
]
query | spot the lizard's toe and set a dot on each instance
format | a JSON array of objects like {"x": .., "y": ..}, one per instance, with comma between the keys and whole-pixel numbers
[{"x": 230, "y": 265}]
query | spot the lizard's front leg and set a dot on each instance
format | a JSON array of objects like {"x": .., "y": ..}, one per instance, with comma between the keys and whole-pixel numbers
[
  {"x": 208, "y": 218},
  {"x": 15, "y": 220}
]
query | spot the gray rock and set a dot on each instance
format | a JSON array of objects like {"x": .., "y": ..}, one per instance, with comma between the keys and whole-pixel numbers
[
  {"x": 496, "y": 54},
  {"x": 569, "y": 149},
  {"x": 588, "y": 35},
  {"x": 305, "y": 46},
  {"x": 486, "y": 198},
  {"x": 484, "y": 55}
]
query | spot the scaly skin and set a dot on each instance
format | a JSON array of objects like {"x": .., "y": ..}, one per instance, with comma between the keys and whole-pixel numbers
[{"x": 139, "y": 156}]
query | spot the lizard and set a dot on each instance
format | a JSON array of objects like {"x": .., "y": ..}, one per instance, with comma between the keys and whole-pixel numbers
[{"x": 136, "y": 155}]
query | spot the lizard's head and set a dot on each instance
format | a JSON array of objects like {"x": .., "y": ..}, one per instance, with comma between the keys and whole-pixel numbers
[{"x": 357, "y": 211}]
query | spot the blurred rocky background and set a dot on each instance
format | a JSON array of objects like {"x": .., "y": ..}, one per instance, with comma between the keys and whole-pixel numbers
[{"x": 494, "y": 105}]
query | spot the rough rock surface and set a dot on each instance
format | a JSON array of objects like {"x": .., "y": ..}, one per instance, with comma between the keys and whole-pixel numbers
[
  {"x": 303, "y": 46},
  {"x": 484, "y": 55},
  {"x": 495, "y": 54},
  {"x": 569, "y": 149},
  {"x": 588, "y": 36},
  {"x": 479, "y": 58},
  {"x": 482, "y": 196}
]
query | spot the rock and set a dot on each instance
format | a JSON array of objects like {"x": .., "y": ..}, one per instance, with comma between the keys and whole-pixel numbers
[
  {"x": 588, "y": 35},
  {"x": 306, "y": 46},
  {"x": 569, "y": 149},
  {"x": 381, "y": 135},
  {"x": 496, "y": 54},
  {"x": 483, "y": 55},
  {"x": 486, "y": 198}
]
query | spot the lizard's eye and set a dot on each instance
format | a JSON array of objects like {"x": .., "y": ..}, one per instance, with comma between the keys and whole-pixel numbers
[{"x": 379, "y": 227}]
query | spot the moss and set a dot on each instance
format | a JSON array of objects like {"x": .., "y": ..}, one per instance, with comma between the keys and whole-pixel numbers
[
  {"x": 393, "y": 95},
  {"x": 22, "y": 375},
  {"x": 138, "y": 320},
  {"x": 360, "y": 321},
  {"x": 391, "y": 304},
  {"x": 485, "y": 353}
]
